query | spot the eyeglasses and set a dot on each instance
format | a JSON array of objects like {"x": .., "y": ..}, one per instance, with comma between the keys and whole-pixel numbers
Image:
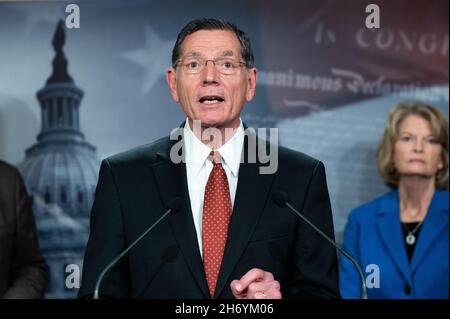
[{"x": 225, "y": 66}]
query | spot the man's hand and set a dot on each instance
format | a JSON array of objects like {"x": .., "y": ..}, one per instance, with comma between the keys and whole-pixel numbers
[{"x": 256, "y": 284}]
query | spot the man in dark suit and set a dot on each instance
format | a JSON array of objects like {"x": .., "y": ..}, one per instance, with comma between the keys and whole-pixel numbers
[
  {"x": 229, "y": 239},
  {"x": 23, "y": 271}
]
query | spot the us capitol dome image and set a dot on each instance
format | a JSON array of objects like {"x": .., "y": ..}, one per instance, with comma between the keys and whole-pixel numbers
[{"x": 61, "y": 172}]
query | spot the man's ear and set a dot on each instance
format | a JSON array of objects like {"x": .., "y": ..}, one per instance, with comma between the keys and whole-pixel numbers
[
  {"x": 251, "y": 84},
  {"x": 171, "y": 78}
]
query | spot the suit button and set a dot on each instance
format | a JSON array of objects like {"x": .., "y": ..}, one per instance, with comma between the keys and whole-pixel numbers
[{"x": 407, "y": 290}]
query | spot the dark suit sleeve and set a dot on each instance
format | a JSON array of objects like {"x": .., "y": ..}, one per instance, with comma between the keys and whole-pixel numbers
[
  {"x": 315, "y": 273},
  {"x": 106, "y": 241},
  {"x": 29, "y": 272}
]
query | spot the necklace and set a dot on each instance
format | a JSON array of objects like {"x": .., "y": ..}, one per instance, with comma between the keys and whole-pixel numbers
[{"x": 411, "y": 238}]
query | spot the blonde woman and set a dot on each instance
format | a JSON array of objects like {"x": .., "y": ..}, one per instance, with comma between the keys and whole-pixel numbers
[{"x": 403, "y": 234}]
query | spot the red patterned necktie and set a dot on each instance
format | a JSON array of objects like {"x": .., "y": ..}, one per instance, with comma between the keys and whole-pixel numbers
[{"x": 216, "y": 216}]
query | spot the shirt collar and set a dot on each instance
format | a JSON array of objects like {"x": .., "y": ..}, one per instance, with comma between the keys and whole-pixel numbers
[
  {"x": 231, "y": 151},
  {"x": 197, "y": 152}
]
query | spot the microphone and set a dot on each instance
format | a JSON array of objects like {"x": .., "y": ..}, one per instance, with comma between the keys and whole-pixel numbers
[
  {"x": 282, "y": 200},
  {"x": 174, "y": 206}
]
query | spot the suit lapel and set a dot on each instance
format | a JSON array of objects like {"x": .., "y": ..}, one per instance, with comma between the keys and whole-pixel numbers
[
  {"x": 435, "y": 222},
  {"x": 172, "y": 182},
  {"x": 251, "y": 195},
  {"x": 390, "y": 231}
]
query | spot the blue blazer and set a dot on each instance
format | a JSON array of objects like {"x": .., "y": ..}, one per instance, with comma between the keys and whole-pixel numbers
[{"x": 373, "y": 235}]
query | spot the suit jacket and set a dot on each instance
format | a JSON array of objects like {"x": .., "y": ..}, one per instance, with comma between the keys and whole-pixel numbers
[
  {"x": 23, "y": 272},
  {"x": 132, "y": 192},
  {"x": 374, "y": 235}
]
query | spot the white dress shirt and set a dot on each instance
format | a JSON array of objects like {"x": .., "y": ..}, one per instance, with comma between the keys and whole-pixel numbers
[{"x": 198, "y": 168}]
